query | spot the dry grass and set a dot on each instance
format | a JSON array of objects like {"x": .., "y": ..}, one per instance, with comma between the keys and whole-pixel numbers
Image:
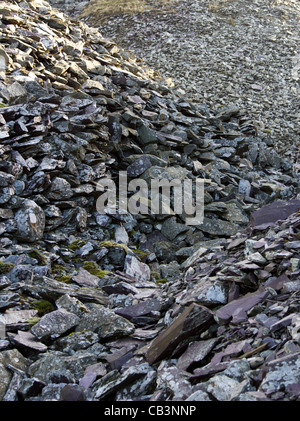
[{"x": 100, "y": 10}]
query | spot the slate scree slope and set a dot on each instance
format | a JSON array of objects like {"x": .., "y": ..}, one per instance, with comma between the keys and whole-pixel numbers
[{"x": 135, "y": 307}]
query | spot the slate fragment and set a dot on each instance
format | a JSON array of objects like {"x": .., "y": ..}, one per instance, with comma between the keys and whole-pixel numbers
[
  {"x": 30, "y": 220},
  {"x": 195, "y": 353},
  {"x": 113, "y": 381},
  {"x": 236, "y": 309},
  {"x": 54, "y": 324},
  {"x": 105, "y": 323},
  {"x": 144, "y": 313},
  {"x": 270, "y": 214},
  {"x": 193, "y": 320}
]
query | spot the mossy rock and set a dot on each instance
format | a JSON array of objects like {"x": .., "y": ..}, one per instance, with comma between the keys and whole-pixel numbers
[
  {"x": 33, "y": 320},
  {"x": 161, "y": 281},
  {"x": 5, "y": 267},
  {"x": 93, "y": 269},
  {"x": 141, "y": 254},
  {"x": 155, "y": 275},
  {"x": 66, "y": 279},
  {"x": 43, "y": 306},
  {"x": 109, "y": 244},
  {"x": 77, "y": 244},
  {"x": 58, "y": 269},
  {"x": 36, "y": 254}
]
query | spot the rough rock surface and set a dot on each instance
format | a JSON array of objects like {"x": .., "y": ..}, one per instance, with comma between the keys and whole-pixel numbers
[
  {"x": 126, "y": 306},
  {"x": 220, "y": 52}
]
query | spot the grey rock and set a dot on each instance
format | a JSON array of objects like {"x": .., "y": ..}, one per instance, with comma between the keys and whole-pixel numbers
[
  {"x": 60, "y": 189},
  {"x": 113, "y": 381},
  {"x": 218, "y": 227},
  {"x": 221, "y": 387},
  {"x": 15, "y": 94},
  {"x": 142, "y": 387},
  {"x": 282, "y": 373},
  {"x": 27, "y": 340},
  {"x": 105, "y": 323},
  {"x": 51, "y": 362},
  {"x": 175, "y": 380},
  {"x": 21, "y": 273},
  {"x": 195, "y": 353},
  {"x": 199, "y": 396},
  {"x": 77, "y": 341},
  {"x": 14, "y": 359},
  {"x": 91, "y": 373},
  {"x": 4, "y": 282},
  {"x": 72, "y": 305},
  {"x": 84, "y": 278},
  {"x": 207, "y": 293},
  {"x": 55, "y": 324},
  {"x": 171, "y": 229},
  {"x": 138, "y": 167},
  {"x": 133, "y": 267},
  {"x": 30, "y": 222}
]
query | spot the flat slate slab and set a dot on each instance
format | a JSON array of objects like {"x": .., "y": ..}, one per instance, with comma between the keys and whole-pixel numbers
[{"x": 194, "y": 319}]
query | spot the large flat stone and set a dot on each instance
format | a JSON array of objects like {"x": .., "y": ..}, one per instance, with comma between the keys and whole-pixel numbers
[{"x": 193, "y": 320}]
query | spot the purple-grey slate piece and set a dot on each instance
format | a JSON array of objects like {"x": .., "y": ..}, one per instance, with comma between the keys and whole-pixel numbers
[
  {"x": 270, "y": 214},
  {"x": 236, "y": 309}
]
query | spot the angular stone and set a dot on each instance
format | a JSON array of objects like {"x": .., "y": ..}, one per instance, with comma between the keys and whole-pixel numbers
[
  {"x": 91, "y": 373},
  {"x": 72, "y": 393},
  {"x": 138, "y": 167},
  {"x": 113, "y": 381},
  {"x": 294, "y": 245},
  {"x": 27, "y": 340},
  {"x": 77, "y": 341},
  {"x": 174, "y": 379},
  {"x": 14, "y": 359},
  {"x": 270, "y": 214},
  {"x": 206, "y": 292},
  {"x": 71, "y": 304},
  {"x": 105, "y": 323},
  {"x": 21, "y": 273},
  {"x": 219, "y": 227},
  {"x": 50, "y": 362},
  {"x": 143, "y": 313},
  {"x": 50, "y": 289},
  {"x": 30, "y": 222},
  {"x": 84, "y": 278},
  {"x": 194, "y": 257},
  {"x": 6, "y": 179},
  {"x": 55, "y": 324},
  {"x": 221, "y": 387},
  {"x": 60, "y": 189},
  {"x": 170, "y": 228},
  {"x": 146, "y": 135},
  {"x": 13, "y": 317},
  {"x": 236, "y": 309},
  {"x": 194, "y": 319},
  {"x": 133, "y": 267},
  {"x": 140, "y": 389},
  {"x": 195, "y": 353},
  {"x": 244, "y": 187},
  {"x": 15, "y": 94},
  {"x": 281, "y": 373}
]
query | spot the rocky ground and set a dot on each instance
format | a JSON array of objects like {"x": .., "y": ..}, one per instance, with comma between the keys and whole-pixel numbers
[
  {"x": 117, "y": 306},
  {"x": 222, "y": 53}
]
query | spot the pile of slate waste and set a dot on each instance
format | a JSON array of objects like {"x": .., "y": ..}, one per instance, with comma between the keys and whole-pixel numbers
[{"x": 117, "y": 306}]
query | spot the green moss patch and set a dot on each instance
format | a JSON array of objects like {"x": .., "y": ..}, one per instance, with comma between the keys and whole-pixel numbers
[
  {"x": 94, "y": 269},
  {"x": 5, "y": 267},
  {"x": 43, "y": 307}
]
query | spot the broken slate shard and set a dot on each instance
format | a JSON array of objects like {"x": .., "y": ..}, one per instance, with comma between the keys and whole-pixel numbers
[
  {"x": 192, "y": 321},
  {"x": 270, "y": 214}
]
